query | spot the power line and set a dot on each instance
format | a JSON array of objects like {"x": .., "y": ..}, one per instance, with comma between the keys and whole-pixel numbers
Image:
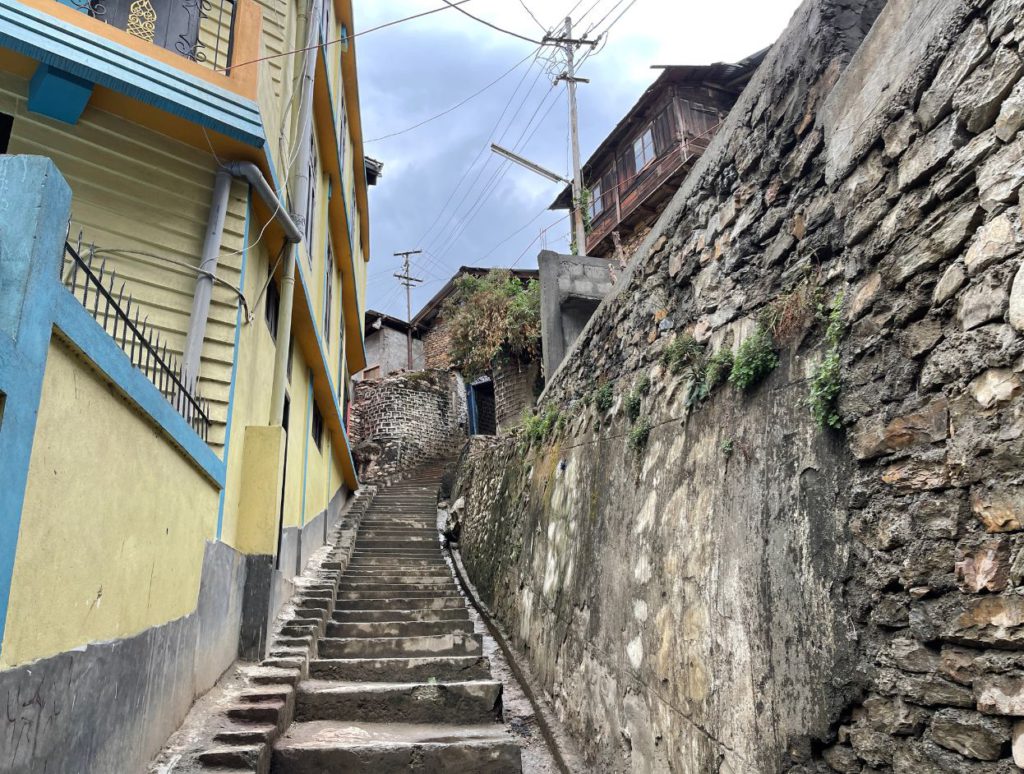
[
  {"x": 455, "y": 107},
  {"x": 616, "y": 19},
  {"x": 479, "y": 155},
  {"x": 489, "y": 24},
  {"x": 347, "y": 37},
  {"x": 608, "y": 13}
]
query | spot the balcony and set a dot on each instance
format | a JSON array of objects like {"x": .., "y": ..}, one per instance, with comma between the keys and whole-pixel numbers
[{"x": 198, "y": 30}]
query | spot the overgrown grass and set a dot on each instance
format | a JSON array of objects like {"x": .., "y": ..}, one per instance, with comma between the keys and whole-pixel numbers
[{"x": 826, "y": 382}]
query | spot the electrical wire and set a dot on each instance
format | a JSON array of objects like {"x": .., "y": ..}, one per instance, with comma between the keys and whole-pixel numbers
[
  {"x": 351, "y": 36},
  {"x": 532, "y": 16},
  {"x": 608, "y": 13},
  {"x": 476, "y": 94},
  {"x": 480, "y": 153},
  {"x": 486, "y": 23}
]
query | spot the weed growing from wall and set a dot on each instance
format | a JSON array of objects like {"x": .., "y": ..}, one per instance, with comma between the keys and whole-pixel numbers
[
  {"x": 727, "y": 447},
  {"x": 604, "y": 397},
  {"x": 682, "y": 353},
  {"x": 754, "y": 360},
  {"x": 826, "y": 382},
  {"x": 640, "y": 434},
  {"x": 635, "y": 398},
  {"x": 537, "y": 427},
  {"x": 717, "y": 370}
]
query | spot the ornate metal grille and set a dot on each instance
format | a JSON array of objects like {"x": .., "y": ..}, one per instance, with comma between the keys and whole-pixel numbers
[
  {"x": 200, "y": 30},
  {"x": 119, "y": 317}
]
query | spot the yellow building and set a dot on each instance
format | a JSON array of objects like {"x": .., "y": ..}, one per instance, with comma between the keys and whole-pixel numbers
[{"x": 173, "y": 385}]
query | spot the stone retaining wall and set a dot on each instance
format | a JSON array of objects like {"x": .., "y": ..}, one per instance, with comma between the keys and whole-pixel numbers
[
  {"x": 716, "y": 583},
  {"x": 402, "y": 420}
]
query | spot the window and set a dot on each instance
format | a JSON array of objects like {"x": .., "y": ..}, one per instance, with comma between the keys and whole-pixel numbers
[
  {"x": 6, "y": 126},
  {"x": 317, "y": 427},
  {"x": 643, "y": 149},
  {"x": 596, "y": 201},
  {"x": 328, "y": 294},
  {"x": 273, "y": 304}
]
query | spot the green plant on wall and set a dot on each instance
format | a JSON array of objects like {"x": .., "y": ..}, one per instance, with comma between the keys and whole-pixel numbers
[
  {"x": 604, "y": 397},
  {"x": 537, "y": 427},
  {"x": 640, "y": 434},
  {"x": 682, "y": 353},
  {"x": 826, "y": 382},
  {"x": 717, "y": 370},
  {"x": 634, "y": 400},
  {"x": 754, "y": 360}
]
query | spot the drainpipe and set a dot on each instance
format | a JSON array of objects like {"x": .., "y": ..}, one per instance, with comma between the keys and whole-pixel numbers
[
  {"x": 293, "y": 235},
  {"x": 244, "y": 170},
  {"x": 300, "y": 183},
  {"x": 204, "y": 282}
]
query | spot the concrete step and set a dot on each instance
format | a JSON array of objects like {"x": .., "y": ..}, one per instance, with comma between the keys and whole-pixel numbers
[
  {"x": 373, "y": 561},
  {"x": 397, "y": 628},
  {"x": 384, "y": 575},
  {"x": 404, "y": 592},
  {"x": 355, "y": 616},
  {"x": 401, "y": 603},
  {"x": 474, "y": 701},
  {"x": 401, "y": 670},
  {"x": 404, "y": 543},
  {"x": 379, "y": 748},
  {"x": 456, "y": 644}
]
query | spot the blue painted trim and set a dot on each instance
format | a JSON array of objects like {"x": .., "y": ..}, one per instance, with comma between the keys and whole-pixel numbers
[
  {"x": 474, "y": 420},
  {"x": 86, "y": 335},
  {"x": 101, "y": 61},
  {"x": 57, "y": 94},
  {"x": 305, "y": 447},
  {"x": 234, "y": 360}
]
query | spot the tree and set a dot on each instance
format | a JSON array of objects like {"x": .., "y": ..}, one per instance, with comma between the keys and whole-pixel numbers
[{"x": 491, "y": 316}]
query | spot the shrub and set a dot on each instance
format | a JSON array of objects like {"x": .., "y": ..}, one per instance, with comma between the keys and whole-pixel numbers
[
  {"x": 488, "y": 316},
  {"x": 604, "y": 397},
  {"x": 826, "y": 382},
  {"x": 755, "y": 359},
  {"x": 640, "y": 434}
]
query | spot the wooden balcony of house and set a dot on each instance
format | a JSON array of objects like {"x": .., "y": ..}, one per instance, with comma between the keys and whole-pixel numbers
[{"x": 640, "y": 198}]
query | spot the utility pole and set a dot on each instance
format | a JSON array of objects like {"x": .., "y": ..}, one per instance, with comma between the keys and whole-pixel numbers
[
  {"x": 408, "y": 280},
  {"x": 569, "y": 76}
]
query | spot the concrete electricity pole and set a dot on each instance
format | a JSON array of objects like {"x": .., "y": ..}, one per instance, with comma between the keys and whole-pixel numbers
[
  {"x": 569, "y": 76},
  {"x": 408, "y": 280}
]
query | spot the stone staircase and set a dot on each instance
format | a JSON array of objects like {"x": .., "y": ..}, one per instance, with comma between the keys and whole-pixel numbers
[{"x": 400, "y": 682}]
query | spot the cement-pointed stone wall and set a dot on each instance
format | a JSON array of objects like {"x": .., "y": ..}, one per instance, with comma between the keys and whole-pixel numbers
[{"x": 712, "y": 582}]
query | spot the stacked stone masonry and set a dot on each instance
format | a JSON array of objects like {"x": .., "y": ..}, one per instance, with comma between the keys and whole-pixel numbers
[
  {"x": 402, "y": 420},
  {"x": 515, "y": 389},
  {"x": 739, "y": 589}
]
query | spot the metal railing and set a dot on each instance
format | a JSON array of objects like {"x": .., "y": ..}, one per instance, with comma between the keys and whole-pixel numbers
[
  {"x": 200, "y": 30},
  {"x": 139, "y": 340}
]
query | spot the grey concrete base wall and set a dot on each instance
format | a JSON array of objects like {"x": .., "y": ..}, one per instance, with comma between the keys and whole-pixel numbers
[{"x": 107, "y": 708}]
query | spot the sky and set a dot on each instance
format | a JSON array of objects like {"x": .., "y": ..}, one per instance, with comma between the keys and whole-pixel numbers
[{"x": 443, "y": 191}]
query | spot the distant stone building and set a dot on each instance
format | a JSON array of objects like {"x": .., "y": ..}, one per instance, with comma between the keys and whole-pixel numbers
[
  {"x": 387, "y": 347},
  {"x": 495, "y": 401}
]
